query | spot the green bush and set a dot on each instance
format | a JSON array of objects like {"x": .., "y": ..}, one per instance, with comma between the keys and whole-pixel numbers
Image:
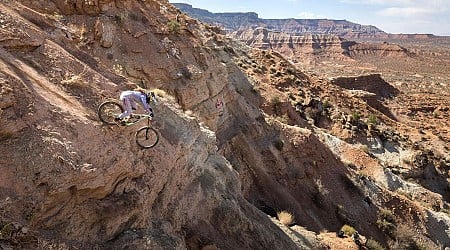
[
  {"x": 386, "y": 221},
  {"x": 372, "y": 119},
  {"x": 276, "y": 104},
  {"x": 348, "y": 230},
  {"x": 373, "y": 245},
  {"x": 355, "y": 117},
  {"x": 173, "y": 26}
]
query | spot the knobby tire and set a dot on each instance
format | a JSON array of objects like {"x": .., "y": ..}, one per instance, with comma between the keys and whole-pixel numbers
[
  {"x": 109, "y": 110},
  {"x": 147, "y": 137}
]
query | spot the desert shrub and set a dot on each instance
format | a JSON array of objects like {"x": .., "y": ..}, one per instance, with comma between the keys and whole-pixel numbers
[
  {"x": 276, "y": 104},
  {"x": 386, "y": 221},
  {"x": 373, "y": 245},
  {"x": 364, "y": 148},
  {"x": 290, "y": 71},
  {"x": 348, "y": 230},
  {"x": 6, "y": 231},
  {"x": 74, "y": 80},
  {"x": 173, "y": 26},
  {"x": 257, "y": 71},
  {"x": 283, "y": 118},
  {"x": 279, "y": 144},
  {"x": 121, "y": 17},
  {"x": 356, "y": 117},
  {"x": 285, "y": 218},
  {"x": 210, "y": 247},
  {"x": 372, "y": 119},
  {"x": 326, "y": 104},
  {"x": 405, "y": 238}
]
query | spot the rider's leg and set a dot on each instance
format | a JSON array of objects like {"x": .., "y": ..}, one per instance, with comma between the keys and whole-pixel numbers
[{"x": 127, "y": 108}]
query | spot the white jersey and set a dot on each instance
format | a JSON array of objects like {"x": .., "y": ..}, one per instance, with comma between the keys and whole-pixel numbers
[{"x": 129, "y": 98}]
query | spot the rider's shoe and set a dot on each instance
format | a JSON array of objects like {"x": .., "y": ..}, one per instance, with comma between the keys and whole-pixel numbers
[{"x": 120, "y": 121}]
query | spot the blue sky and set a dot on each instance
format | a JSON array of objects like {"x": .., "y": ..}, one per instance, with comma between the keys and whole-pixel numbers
[{"x": 393, "y": 16}]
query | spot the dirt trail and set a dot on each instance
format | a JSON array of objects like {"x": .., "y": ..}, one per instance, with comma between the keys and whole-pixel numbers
[{"x": 39, "y": 84}]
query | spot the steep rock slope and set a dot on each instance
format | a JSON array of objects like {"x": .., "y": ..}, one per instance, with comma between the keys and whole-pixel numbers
[
  {"x": 67, "y": 178},
  {"x": 228, "y": 152},
  {"x": 379, "y": 153}
]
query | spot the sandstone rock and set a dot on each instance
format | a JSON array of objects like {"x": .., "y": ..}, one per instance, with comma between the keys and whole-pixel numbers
[{"x": 105, "y": 32}]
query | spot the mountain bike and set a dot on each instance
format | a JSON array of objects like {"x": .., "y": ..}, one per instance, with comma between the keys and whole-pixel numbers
[{"x": 146, "y": 137}]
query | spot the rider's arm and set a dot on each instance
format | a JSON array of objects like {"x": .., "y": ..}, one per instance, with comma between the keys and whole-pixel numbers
[{"x": 145, "y": 104}]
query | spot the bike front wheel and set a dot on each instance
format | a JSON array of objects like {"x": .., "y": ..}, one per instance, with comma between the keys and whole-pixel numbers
[
  {"x": 109, "y": 110},
  {"x": 147, "y": 137}
]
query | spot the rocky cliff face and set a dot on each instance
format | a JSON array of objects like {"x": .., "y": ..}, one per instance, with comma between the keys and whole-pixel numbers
[
  {"x": 342, "y": 28},
  {"x": 264, "y": 39},
  {"x": 230, "y": 154},
  {"x": 238, "y": 21},
  {"x": 310, "y": 46},
  {"x": 67, "y": 178}
]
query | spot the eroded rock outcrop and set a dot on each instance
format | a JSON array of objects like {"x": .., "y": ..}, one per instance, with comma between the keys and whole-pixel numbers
[
  {"x": 91, "y": 185},
  {"x": 227, "y": 160}
]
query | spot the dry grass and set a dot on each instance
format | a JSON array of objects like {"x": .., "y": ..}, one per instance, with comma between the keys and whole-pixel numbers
[
  {"x": 210, "y": 247},
  {"x": 160, "y": 92},
  {"x": 74, "y": 80},
  {"x": 285, "y": 218}
]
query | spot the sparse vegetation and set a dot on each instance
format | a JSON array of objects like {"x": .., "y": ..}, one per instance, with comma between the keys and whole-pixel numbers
[
  {"x": 373, "y": 245},
  {"x": 295, "y": 159},
  {"x": 283, "y": 118},
  {"x": 286, "y": 218},
  {"x": 276, "y": 104},
  {"x": 405, "y": 239},
  {"x": 6, "y": 231},
  {"x": 279, "y": 144},
  {"x": 325, "y": 105},
  {"x": 73, "y": 80},
  {"x": 121, "y": 17},
  {"x": 173, "y": 26},
  {"x": 348, "y": 230},
  {"x": 386, "y": 221},
  {"x": 364, "y": 148},
  {"x": 160, "y": 92},
  {"x": 356, "y": 117},
  {"x": 372, "y": 119}
]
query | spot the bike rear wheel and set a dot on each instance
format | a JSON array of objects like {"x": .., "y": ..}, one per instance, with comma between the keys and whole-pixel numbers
[
  {"x": 147, "y": 137},
  {"x": 109, "y": 110}
]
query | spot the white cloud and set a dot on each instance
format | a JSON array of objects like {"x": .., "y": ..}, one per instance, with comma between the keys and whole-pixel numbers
[
  {"x": 407, "y": 12},
  {"x": 440, "y": 4},
  {"x": 381, "y": 2},
  {"x": 309, "y": 15}
]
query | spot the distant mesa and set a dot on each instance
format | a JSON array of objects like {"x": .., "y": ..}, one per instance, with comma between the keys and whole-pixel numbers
[{"x": 235, "y": 21}]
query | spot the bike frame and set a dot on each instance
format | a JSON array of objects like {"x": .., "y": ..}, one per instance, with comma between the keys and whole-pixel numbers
[{"x": 139, "y": 117}]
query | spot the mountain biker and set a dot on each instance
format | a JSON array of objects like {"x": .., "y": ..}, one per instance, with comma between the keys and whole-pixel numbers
[{"x": 129, "y": 99}]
